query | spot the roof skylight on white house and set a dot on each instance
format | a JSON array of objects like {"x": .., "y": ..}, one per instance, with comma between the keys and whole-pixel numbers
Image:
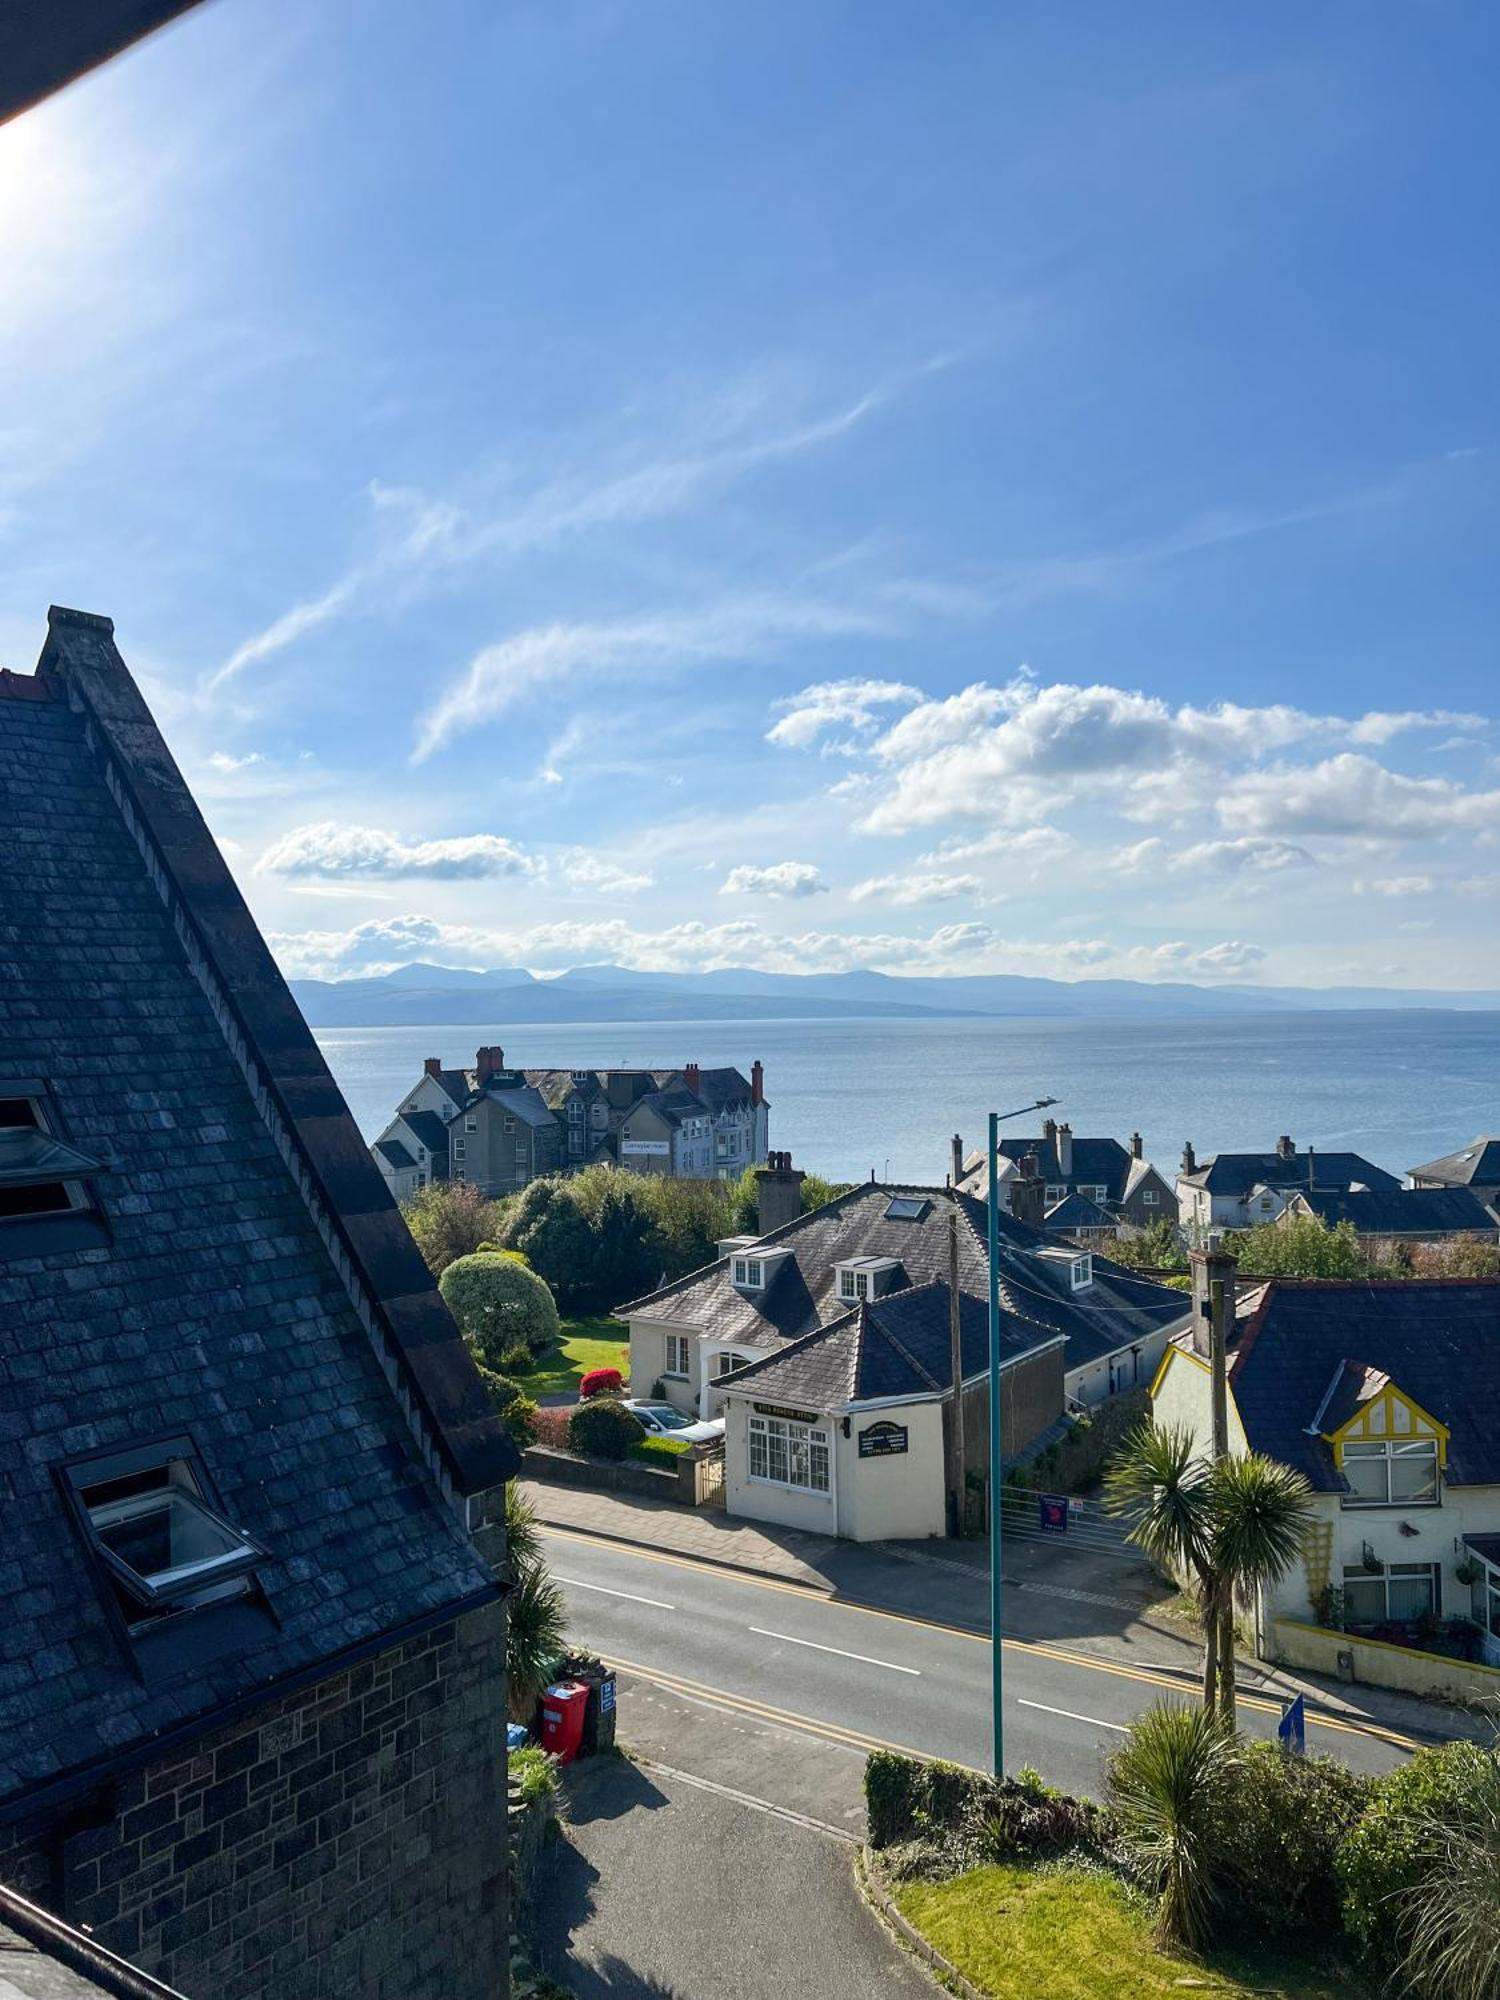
[{"x": 40, "y": 1174}]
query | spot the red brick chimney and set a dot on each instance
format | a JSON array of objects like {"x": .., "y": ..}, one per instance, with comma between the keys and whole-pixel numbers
[
  {"x": 757, "y": 1082},
  {"x": 1028, "y": 1192},
  {"x": 433, "y": 1066},
  {"x": 692, "y": 1076},
  {"x": 488, "y": 1062}
]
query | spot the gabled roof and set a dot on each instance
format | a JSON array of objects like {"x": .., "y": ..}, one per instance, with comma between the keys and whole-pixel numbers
[
  {"x": 1479, "y": 1162},
  {"x": 1118, "y": 1308},
  {"x": 1238, "y": 1173},
  {"x": 1408, "y": 1211},
  {"x": 1437, "y": 1340},
  {"x": 395, "y": 1154},
  {"x": 428, "y": 1130},
  {"x": 257, "y": 1289},
  {"x": 893, "y": 1346},
  {"x": 1096, "y": 1163},
  {"x": 1078, "y": 1211},
  {"x": 525, "y": 1103}
]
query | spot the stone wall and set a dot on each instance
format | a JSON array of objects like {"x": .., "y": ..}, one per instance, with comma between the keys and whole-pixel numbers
[{"x": 344, "y": 1843}]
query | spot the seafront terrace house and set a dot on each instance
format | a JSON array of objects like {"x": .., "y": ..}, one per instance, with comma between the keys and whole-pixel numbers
[
  {"x": 828, "y": 1319},
  {"x": 1091, "y": 1188},
  {"x": 498, "y": 1128},
  {"x": 1386, "y": 1396},
  {"x": 1239, "y": 1190},
  {"x": 252, "y": 1687}
]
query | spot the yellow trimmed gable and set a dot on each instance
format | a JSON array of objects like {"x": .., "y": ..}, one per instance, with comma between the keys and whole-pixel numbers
[{"x": 1389, "y": 1417}]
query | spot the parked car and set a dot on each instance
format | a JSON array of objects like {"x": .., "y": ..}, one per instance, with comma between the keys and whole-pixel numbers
[{"x": 661, "y": 1420}]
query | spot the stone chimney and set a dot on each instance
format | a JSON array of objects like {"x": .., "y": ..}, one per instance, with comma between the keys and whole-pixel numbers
[
  {"x": 1285, "y": 1147},
  {"x": 1028, "y": 1191},
  {"x": 692, "y": 1076},
  {"x": 488, "y": 1062},
  {"x": 1189, "y": 1158},
  {"x": 757, "y": 1082},
  {"x": 1312, "y": 1174},
  {"x": 1137, "y": 1150},
  {"x": 433, "y": 1066},
  {"x": 1065, "y": 1152},
  {"x": 778, "y": 1192},
  {"x": 1049, "y": 1129},
  {"x": 1211, "y": 1269},
  {"x": 958, "y": 1159}
]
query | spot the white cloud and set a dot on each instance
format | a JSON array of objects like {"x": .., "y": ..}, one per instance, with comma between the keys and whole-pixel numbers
[
  {"x": 847, "y": 704},
  {"x": 907, "y": 891},
  {"x": 794, "y": 879},
  {"x": 597, "y": 872},
  {"x": 1381, "y": 725},
  {"x": 1353, "y": 795},
  {"x": 549, "y": 656},
  {"x": 1395, "y": 885},
  {"x": 1249, "y": 855},
  {"x": 332, "y": 851}
]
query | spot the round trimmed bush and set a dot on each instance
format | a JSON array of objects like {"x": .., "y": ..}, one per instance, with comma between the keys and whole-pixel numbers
[
  {"x": 499, "y": 1304},
  {"x": 600, "y": 1382},
  {"x": 603, "y": 1428},
  {"x": 516, "y": 1359}
]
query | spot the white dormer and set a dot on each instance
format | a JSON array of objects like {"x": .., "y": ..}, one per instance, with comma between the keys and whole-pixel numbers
[
  {"x": 731, "y": 1246},
  {"x": 1079, "y": 1265},
  {"x": 859, "y": 1278},
  {"x": 752, "y": 1268}
]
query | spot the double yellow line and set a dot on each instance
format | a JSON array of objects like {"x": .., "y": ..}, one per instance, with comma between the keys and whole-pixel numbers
[{"x": 1041, "y": 1649}]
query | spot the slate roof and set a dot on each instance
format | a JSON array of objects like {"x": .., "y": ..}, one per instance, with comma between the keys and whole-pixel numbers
[
  {"x": 893, "y": 1346},
  {"x": 1238, "y": 1173},
  {"x": 1078, "y": 1211},
  {"x": 392, "y": 1151},
  {"x": 1397, "y": 1211},
  {"x": 718, "y": 1089},
  {"x": 214, "y": 1306},
  {"x": 803, "y": 1292},
  {"x": 1477, "y": 1162},
  {"x": 429, "y": 1130},
  {"x": 524, "y": 1103},
  {"x": 1438, "y": 1340},
  {"x": 1096, "y": 1163}
]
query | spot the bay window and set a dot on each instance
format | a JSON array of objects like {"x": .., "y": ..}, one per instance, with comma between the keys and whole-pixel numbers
[{"x": 786, "y": 1453}]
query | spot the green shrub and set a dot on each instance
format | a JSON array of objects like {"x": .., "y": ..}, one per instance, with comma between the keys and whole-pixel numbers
[
  {"x": 519, "y": 1417},
  {"x": 499, "y": 1304},
  {"x": 950, "y": 1819},
  {"x": 502, "y": 1390},
  {"x": 602, "y": 1428},
  {"x": 1394, "y": 1849},
  {"x": 535, "y": 1774},
  {"x": 1284, "y": 1824},
  {"x": 450, "y": 1219},
  {"x": 895, "y": 1787},
  {"x": 1170, "y": 1785},
  {"x": 515, "y": 1359}
]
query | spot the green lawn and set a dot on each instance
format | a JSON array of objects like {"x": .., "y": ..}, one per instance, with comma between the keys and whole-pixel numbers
[
  {"x": 585, "y": 1344},
  {"x": 1071, "y": 1934}
]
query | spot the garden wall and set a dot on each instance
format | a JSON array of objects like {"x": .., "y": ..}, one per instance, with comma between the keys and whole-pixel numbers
[
  {"x": 604, "y": 1475},
  {"x": 1317, "y": 1650}
]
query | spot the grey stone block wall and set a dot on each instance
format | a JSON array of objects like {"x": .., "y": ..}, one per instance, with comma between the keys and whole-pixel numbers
[{"x": 346, "y": 1843}]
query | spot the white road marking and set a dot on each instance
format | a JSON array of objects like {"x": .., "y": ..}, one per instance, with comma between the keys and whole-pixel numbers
[
  {"x": 578, "y": 1583},
  {"x": 864, "y": 1658},
  {"x": 1097, "y": 1721},
  {"x": 747, "y": 1799}
]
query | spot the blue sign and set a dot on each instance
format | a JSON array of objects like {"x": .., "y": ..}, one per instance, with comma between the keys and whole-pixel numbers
[
  {"x": 1291, "y": 1731},
  {"x": 1052, "y": 1514}
]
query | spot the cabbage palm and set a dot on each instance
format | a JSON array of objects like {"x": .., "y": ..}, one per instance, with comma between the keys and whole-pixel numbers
[
  {"x": 536, "y": 1630},
  {"x": 1259, "y": 1512},
  {"x": 1158, "y": 1483},
  {"x": 1169, "y": 1787},
  {"x": 523, "y": 1538}
]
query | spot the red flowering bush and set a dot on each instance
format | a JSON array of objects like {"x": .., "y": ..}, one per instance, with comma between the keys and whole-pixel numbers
[
  {"x": 550, "y": 1427},
  {"x": 600, "y": 1382}
]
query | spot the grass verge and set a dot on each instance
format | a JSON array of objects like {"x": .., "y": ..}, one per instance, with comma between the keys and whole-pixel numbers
[
  {"x": 585, "y": 1344},
  {"x": 1019, "y": 1933}
]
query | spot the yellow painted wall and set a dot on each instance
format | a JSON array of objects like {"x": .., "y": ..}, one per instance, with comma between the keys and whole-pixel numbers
[{"x": 1378, "y": 1665}]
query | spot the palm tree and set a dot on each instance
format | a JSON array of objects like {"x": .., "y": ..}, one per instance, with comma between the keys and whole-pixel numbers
[
  {"x": 1455, "y": 1943},
  {"x": 1235, "y": 1525},
  {"x": 1168, "y": 1786},
  {"x": 523, "y": 1540},
  {"x": 1158, "y": 1483},
  {"x": 536, "y": 1630},
  {"x": 1260, "y": 1510}
]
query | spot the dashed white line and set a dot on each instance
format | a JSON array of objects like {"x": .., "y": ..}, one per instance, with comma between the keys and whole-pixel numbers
[
  {"x": 1095, "y": 1721},
  {"x": 577, "y": 1583},
  {"x": 863, "y": 1658}
]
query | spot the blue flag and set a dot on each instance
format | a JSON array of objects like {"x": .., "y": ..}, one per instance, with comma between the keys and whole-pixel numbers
[{"x": 1291, "y": 1731}]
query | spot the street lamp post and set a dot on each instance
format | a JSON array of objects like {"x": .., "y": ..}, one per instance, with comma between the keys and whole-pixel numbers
[{"x": 996, "y": 1724}]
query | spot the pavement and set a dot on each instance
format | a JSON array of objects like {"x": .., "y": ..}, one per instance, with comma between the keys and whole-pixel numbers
[
  {"x": 665, "y": 1889},
  {"x": 1102, "y": 1601}
]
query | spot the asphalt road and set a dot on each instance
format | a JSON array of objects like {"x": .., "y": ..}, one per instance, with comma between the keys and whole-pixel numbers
[{"x": 866, "y": 1678}]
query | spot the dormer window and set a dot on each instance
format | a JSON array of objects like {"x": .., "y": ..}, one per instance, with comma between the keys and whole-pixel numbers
[
  {"x": 749, "y": 1273},
  {"x": 40, "y": 1173},
  {"x": 866, "y": 1278},
  {"x": 162, "y": 1544},
  {"x": 1081, "y": 1272},
  {"x": 854, "y": 1284}
]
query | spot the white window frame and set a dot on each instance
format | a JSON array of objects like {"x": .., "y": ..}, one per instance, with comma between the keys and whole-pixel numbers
[
  {"x": 1355, "y": 1575},
  {"x": 1055, "y": 1193},
  {"x": 1081, "y": 1272},
  {"x": 678, "y": 1349},
  {"x": 1385, "y": 1452},
  {"x": 471, "y": 1124},
  {"x": 854, "y": 1286},
  {"x": 797, "y": 1457},
  {"x": 726, "y": 1363},
  {"x": 1151, "y": 1198},
  {"x": 750, "y": 1273}
]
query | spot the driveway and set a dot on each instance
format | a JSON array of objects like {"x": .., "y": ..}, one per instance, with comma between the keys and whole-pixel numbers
[{"x": 662, "y": 1890}]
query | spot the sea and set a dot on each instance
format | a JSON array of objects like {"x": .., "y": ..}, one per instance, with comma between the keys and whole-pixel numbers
[{"x": 849, "y": 1097}]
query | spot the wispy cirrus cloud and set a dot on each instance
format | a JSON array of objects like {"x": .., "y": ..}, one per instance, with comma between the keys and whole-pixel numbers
[
  {"x": 910, "y": 891},
  {"x": 854, "y": 705}
]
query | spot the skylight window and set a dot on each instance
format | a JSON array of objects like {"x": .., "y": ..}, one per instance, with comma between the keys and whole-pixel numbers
[
  {"x": 906, "y": 1208},
  {"x": 163, "y": 1546},
  {"x": 40, "y": 1174}
]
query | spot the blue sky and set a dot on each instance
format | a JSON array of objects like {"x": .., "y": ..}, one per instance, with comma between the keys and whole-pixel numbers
[{"x": 986, "y": 488}]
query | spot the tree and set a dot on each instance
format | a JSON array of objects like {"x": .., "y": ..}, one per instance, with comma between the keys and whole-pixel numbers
[
  {"x": 687, "y": 1219},
  {"x": 1235, "y": 1526},
  {"x": 1169, "y": 1785},
  {"x": 745, "y": 1200},
  {"x": 548, "y": 1226},
  {"x": 536, "y": 1631},
  {"x": 498, "y": 1302},
  {"x": 449, "y": 1219},
  {"x": 1157, "y": 1248},
  {"x": 1301, "y": 1247}
]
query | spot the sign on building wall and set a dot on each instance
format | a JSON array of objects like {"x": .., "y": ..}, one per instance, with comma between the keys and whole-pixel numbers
[
  {"x": 882, "y": 1439},
  {"x": 789, "y": 1416},
  {"x": 647, "y": 1149}
]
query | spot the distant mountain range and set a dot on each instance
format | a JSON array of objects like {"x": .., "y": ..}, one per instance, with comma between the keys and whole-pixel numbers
[{"x": 436, "y": 995}]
